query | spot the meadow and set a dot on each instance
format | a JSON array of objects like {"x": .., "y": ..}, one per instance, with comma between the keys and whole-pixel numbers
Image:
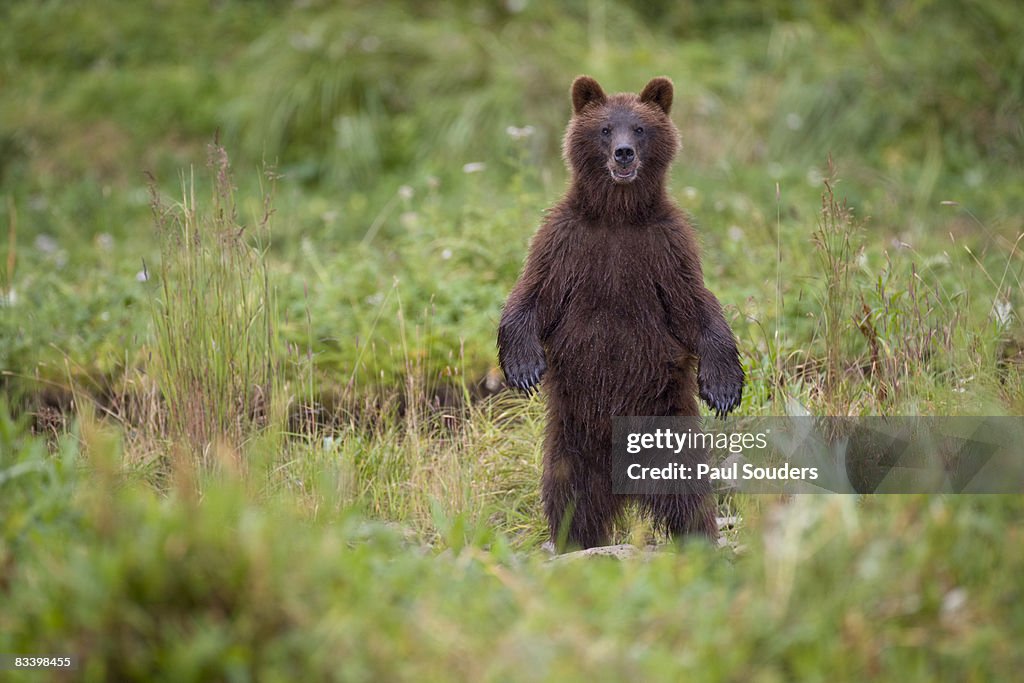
[{"x": 251, "y": 424}]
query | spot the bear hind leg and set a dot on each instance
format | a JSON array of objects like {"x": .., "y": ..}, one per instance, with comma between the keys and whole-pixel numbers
[
  {"x": 579, "y": 505},
  {"x": 682, "y": 514}
]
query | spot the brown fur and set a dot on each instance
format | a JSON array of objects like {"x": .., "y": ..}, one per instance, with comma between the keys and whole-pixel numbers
[{"x": 611, "y": 310}]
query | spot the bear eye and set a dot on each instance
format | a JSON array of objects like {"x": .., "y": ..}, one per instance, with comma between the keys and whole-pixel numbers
[
  {"x": 639, "y": 130},
  {"x": 606, "y": 131}
]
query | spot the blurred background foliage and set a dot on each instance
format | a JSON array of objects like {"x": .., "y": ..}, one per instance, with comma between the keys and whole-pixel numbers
[{"x": 377, "y": 115}]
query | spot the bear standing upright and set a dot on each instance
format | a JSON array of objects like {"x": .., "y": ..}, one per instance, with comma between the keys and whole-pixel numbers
[{"x": 611, "y": 310}]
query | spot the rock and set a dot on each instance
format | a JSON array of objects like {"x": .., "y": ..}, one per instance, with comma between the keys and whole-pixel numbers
[
  {"x": 627, "y": 551},
  {"x": 620, "y": 552}
]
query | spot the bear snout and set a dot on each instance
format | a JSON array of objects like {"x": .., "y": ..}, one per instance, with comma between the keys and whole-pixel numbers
[
  {"x": 624, "y": 162},
  {"x": 625, "y": 155}
]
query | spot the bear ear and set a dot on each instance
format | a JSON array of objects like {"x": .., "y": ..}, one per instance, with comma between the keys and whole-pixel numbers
[
  {"x": 658, "y": 92},
  {"x": 584, "y": 91}
]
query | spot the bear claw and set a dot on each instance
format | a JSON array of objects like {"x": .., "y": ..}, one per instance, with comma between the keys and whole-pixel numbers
[
  {"x": 525, "y": 378},
  {"x": 722, "y": 401}
]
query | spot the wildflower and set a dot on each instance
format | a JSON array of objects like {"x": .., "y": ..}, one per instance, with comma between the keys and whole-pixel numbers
[
  {"x": 46, "y": 244},
  {"x": 519, "y": 133},
  {"x": 814, "y": 176}
]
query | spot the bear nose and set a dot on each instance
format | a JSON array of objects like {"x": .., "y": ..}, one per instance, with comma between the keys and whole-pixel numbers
[{"x": 624, "y": 155}]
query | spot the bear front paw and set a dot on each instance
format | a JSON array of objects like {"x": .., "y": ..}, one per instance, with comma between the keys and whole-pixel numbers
[
  {"x": 721, "y": 390},
  {"x": 525, "y": 376}
]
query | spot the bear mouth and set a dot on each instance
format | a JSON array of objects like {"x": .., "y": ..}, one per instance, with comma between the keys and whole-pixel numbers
[{"x": 625, "y": 175}]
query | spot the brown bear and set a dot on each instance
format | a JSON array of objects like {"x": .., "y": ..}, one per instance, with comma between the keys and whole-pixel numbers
[{"x": 612, "y": 312}]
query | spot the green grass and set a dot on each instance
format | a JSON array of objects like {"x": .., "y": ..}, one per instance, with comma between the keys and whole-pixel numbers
[
  {"x": 215, "y": 365},
  {"x": 240, "y": 584},
  {"x": 255, "y": 437}
]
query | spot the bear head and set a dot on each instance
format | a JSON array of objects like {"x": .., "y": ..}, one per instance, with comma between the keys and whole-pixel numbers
[{"x": 622, "y": 143}]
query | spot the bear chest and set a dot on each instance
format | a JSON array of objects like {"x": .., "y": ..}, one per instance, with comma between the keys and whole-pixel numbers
[{"x": 607, "y": 286}]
